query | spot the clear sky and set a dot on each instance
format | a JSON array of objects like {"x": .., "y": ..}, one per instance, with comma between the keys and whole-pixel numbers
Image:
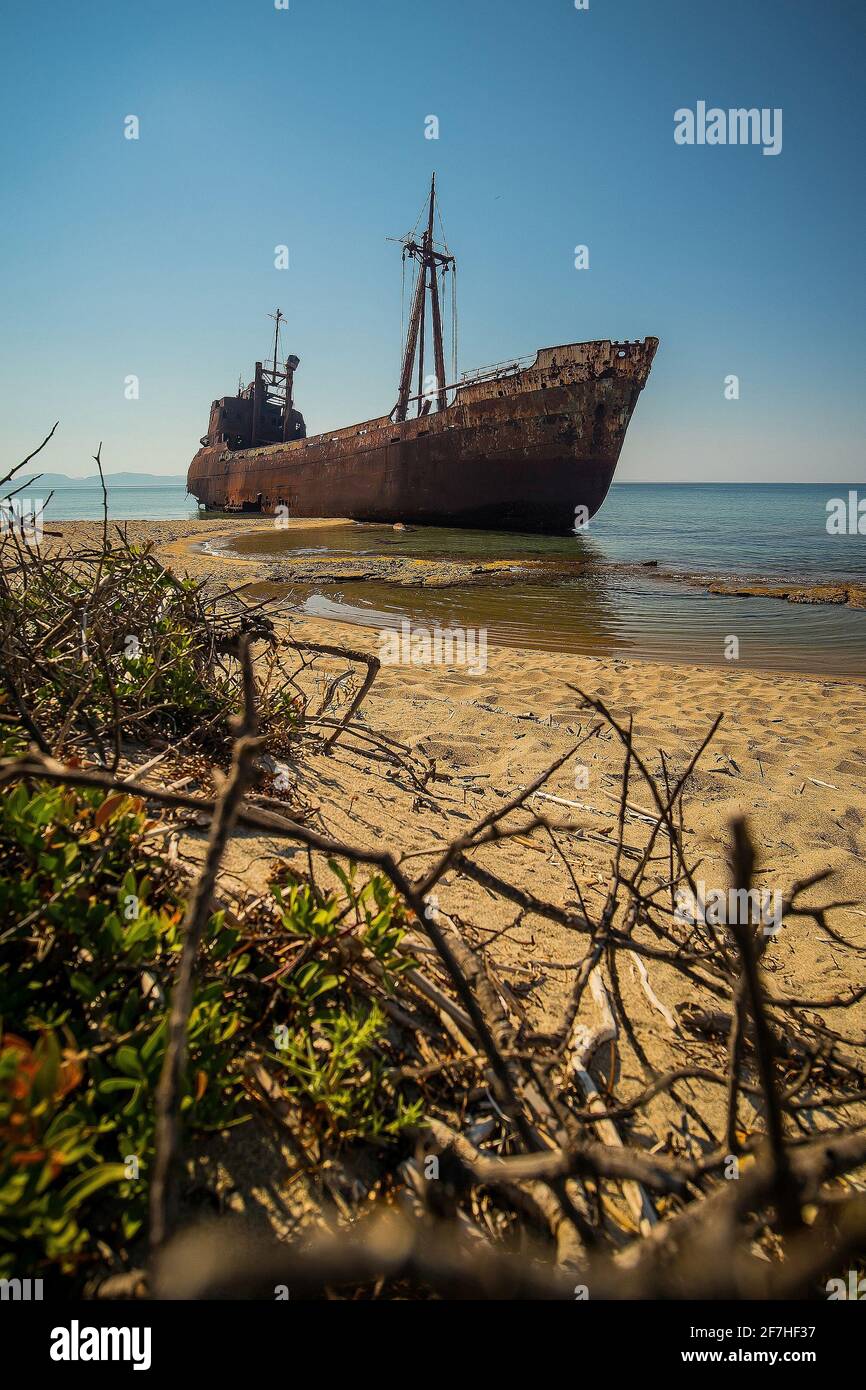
[{"x": 306, "y": 127}]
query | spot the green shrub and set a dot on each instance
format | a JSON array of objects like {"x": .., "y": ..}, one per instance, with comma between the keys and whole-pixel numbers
[
  {"x": 88, "y": 952},
  {"x": 333, "y": 1048},
  {"x": 86, "y": 960}
]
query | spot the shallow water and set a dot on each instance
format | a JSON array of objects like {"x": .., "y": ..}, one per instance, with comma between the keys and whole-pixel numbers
[
  {"x": 672, "y": 624},
  {"x": 764, "y": 530}
]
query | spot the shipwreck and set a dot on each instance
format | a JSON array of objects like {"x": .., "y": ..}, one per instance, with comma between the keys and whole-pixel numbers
[{"x": 530, "y": 444}]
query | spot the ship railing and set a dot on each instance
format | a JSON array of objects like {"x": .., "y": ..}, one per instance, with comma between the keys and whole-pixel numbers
[{"x": 509, "y": 367}]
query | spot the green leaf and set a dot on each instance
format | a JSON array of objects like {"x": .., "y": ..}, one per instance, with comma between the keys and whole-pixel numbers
[
  {"x": 128, "y": 1061},
  {"x": 83, "y": 986},
  {"x": 82, "y": 1187},
  {"x": 116, "y": 1083},
  {"x": 152, "y": 1044}
]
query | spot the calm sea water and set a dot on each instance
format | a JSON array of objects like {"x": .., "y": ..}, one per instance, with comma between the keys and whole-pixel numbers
[
  {"x": 772, "y": 531},
  {"x": 777, "y": 530},
  {"x": 169, "y": 503}
]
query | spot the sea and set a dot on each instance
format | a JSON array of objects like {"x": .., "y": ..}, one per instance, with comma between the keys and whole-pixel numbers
[
  {"x": 631, "y": 603},
  {"x": 150, "y": 502}
]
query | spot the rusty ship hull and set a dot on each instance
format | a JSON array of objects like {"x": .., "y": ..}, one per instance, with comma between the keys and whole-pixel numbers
[{"x": 517, "y": 450}]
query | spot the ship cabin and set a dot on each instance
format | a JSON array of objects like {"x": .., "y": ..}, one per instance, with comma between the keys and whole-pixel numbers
[{"x": 262, "y": 413}]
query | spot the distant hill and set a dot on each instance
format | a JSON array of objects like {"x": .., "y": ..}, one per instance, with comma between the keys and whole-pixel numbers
[{"x": 57, "y": 480}]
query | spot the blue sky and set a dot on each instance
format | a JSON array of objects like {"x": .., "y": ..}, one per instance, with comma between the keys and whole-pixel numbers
[{"x": 306, "y": 127}]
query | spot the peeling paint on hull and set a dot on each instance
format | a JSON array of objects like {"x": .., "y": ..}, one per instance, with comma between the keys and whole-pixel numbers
[{"x": 514, "y": 452}]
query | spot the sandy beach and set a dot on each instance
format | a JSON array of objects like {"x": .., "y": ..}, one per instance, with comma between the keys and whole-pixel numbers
[{"x": 789, "y": 756}]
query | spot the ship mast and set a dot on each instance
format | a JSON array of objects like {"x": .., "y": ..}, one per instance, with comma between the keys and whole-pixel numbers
[
  {"x": 429, "y": 260},
  {"x": 278, "y": 318}
]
